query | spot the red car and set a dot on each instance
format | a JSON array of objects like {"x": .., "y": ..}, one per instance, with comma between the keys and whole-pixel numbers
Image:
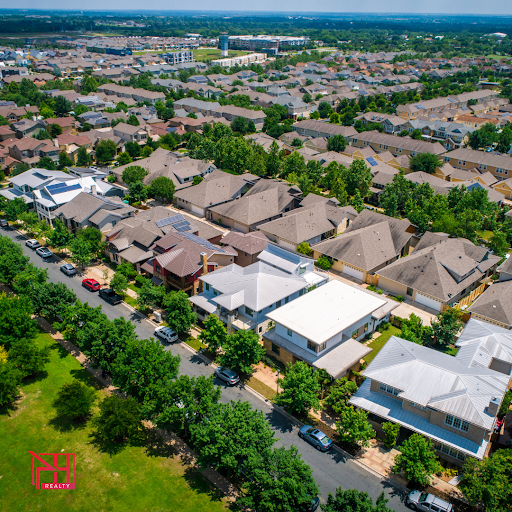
[{"x": 91, "y": 284}]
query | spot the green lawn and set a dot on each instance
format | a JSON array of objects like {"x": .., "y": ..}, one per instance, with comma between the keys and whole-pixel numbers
[
  {"x": 214, "y": 53},
  {"x": 377, "y": 344},
  {"x": 484, "y": 234},
  {"x": 142, "y": 477}
]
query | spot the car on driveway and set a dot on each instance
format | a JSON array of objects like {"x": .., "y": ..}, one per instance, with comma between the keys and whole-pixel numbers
[
  {"x": 44, "y": 252},
  {"x": 68, "y": 269},
  {"x": 424, "y": 501},
  {"x": 4, "y": 223},
  {"x": 227, "y": 375},
  {"x": 166, "y": 334},
  {"x": 110, "y": 296},
  {"x": 91, "y": 284},
  {"x": 315, "y": 437},
  {"x": 33, "y": 244}
]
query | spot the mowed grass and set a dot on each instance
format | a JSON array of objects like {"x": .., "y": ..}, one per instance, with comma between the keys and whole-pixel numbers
[
  {"x": 214, "y": 53},
  {"x": 377, "y": 344},
  {"x": 143, "y": 476}
]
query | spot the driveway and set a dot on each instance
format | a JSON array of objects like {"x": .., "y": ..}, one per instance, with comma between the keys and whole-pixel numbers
[
  {"x": 406, "y": 308},
  {"x": 330, "y": 470}
]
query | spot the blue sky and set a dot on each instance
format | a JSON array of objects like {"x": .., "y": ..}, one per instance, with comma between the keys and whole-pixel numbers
[{"x": 393, "y": 6}]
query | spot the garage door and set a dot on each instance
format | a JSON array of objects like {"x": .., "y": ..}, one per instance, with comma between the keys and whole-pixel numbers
[
  {"x": 351, "y": 271},
  {"x": 197, "y": 209},
  {"x": 427, "y": 301}
]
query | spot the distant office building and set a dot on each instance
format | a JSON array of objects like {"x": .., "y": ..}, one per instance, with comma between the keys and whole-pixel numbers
[
  {"x": 224, "y": 43},
  {"x": 252, "y": 43},
  {"x": 179, "y": 57}
]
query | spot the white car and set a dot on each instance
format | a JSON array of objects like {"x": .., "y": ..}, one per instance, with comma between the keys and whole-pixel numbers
[
  {"x": 426, "y": 502},
  {"x": 33, "y": 244},
  {"x": 166, "y": 334}
]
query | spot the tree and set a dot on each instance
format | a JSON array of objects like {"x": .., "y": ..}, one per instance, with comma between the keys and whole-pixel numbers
[
  {"x": 19, "y": 169},
  {"x": 307, "y": 98},
  {"x": 133, "y": 149},
  {"x": 296, "y": 142},
  {"x": 28, "y": 280},
  {"x": 93, "y": 236},
  {"x": 149, "y": 295},
  {"x": 357, "y": 177},
  {"x": 413, "y": 329},
  {"x": 323, "y": 262},
  {"x": 10, "y": 379},
  {"x": 75, "y": 400},
  {"x": 195, "y": 181},
  {"x": 89, "y": 84},
  {"x": 64, "y": 160},
  {"x": 336, "y": 143},
  {"x": 83, "y": 159},
  {"x": 51, "y": 299},
  {"x": 61, "y": 106},
  {"x": 249, "y": 434},
  {"x": 55, "y": 130},
  {"x": 498, "y": 243},
  {"x": 163, "y": 188},
  {"x": 487, "y": 482},
  {"x": 304, "y": 248},
  {"x": 447, "y": 325},
  {"x": 133, "y": 174},
  {"x": 29, "y": 221},
  {"x": 180, "y": 314},
  {"x": 47, "y": 163},
  {"x": 300, "y": 389},
  {"x": 357, "y": 202},
  {"x": 391, "y": 431},
  {"x": 28, "y": 358},
  {"x": 352, "y": 500},
  {"x": 105, "y": 151},
  {"x": 279, "y": 481},
  {"x": 214, "y": 334},
  {"x": 138, "y": 191},
  {"x": 353, "y": 426},
  {"x": 417, "y": 460},
  {"x": 119, "y": 283},
  {"x": 14, "y": 208},
  {"x": 59, "y": 237},
  {"x": 132, "y": 119},
  {"x": 16, "y": 320},
  {"x": 118, "y": 420},
  {"x": 127, "y": 269},
  {"x": 340, "y": 393},
  {"x": 241, "y": 350},
  {"x": 81, "y": 251},
  {"x": 505, "y": 404},
  {"x": 273, "y": 160},
  {"x": 124, "y": 158},
  {"x": 424, "y": 162}
]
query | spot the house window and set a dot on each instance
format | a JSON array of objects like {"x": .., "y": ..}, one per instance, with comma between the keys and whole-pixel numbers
[
  {"x": 417, "y": 406},
  {"x": 312, "y": 346},
  {"x": 276, "y": 349},
  {"x": 286, "y": 300},
  {"x": 354, "y": 334},
  {"x": 366, "y": 327},
  {"x": 457, "y": 423},
  {"x": 207, "y": 287},
  {"x": 278, "y": 304},
  {"x": 321, "y": 346},
  {"x": 289, "y": 332},
  {"x": 452, "y": 452},
  {"x": 409, "y": 291},
  {"x": 389, "y": 389},
  {"x": 301, "y": 292},
  {"x": 249, "y": 311}
]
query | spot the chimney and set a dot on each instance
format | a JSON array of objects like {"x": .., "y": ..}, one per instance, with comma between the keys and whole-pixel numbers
[
  {"x": 93, "y": 190},
  {"x": 494, "y": 406},
  {"x": 204, "y": 261}
]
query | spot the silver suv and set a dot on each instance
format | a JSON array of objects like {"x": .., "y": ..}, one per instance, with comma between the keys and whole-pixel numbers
[
  {"x": 427, "y": 502},
  {"x": 166, "y": 334}
]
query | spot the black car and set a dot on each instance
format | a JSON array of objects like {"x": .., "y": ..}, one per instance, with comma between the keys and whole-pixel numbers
[
  {"x": 110, "y": 296},
  {"x": 4, "y": 223}
]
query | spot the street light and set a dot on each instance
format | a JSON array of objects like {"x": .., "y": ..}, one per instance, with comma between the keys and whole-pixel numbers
[{"x": 278, "y": 372}]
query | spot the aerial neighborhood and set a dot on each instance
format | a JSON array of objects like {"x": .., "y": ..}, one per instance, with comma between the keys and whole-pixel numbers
[{"x": 324, "y": 233}]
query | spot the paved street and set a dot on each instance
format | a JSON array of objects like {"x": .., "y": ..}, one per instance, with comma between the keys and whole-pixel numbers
[{"x": 330, "y": 470}]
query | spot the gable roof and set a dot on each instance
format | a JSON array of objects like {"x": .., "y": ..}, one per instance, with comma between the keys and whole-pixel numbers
[
  {"x": 495, "y": 304},
  {"x": 251, "y": 243}
]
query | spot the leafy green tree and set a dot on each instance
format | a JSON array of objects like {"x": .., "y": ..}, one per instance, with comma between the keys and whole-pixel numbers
[
  {"x": 119, "y": 419},
  {"x": 133, "y": 174},
  {"x": 42, "y": 135},
  {"x": 127, "y": 270},
  {"x": 417, "y": 460},
  {"x": 189, "y": 401},
  {"x": 64, "y": 161},
  {"x": 28, "y": 358},
  {"x": 47, "y": 163},
  {"x": 391, "y": 431},
  {"x": 55, "y": 130},
  {"x": 196, "y": 180},
  {"x": 279, "y": 481},
  {"x": 81, "y": 251},
  {"x": 336, "y": 143},
  {"x": 353, "y": 426},
  {"x": 180, "y": 315},
  {"x": 149, "y": 295},
  {"x": 357, "y": 177},
  {"x": 28, "y": 280},
  {"x": 75, "y": 400},
  {"x": 242, "y": 349},
  {"x": 61, "y": 106},
  {"x": 413, "y": 329},
  {"x": 352, "y": 500},
  {"x": 10, "y": 380},
  {"x": 487, "y": 483},
  {"x": 51, "y": 299},
  {"x": 16, "y": 320},
  {"x": 19, "y": 169},
  {"x": 294, "y": 164},
  {"x": 447, "y": 325},
  {"x": 119, "y": 283},
  {"x": 12, "y": 260},
  {"x": 424, "y": 162},
  {"x": 323, "y": 262},
  {"x": 59, "y": 237},
  {"x": 340, "y": 393},
  {"x": 29, "y": 221},
  {"x": 300, "y": 389},
  {"x": 132, "y": 119},
  {"x": 499, "y": 244},
  {"x": 307, "y": 98},
  {"x": 416, "y": 134},
  {"x": 105, "y": 151},
  {"x": 124, "y": 158},
  {"x": 505, "y": 404},
  {"x": 273, "y": 160},
  {"x": 14, "y": 208},
  {"x": 133, "y": 149},
  {"x": 214, "y": 334},
  {"x": 163, "y": 188},
  {"x": 249, "y": 434},
  {"x": 93, "y": 236},
  {"x": 83, "y": 159},
  {"x": 357, "y": 202},
  {"x": 304, "y": 248}
]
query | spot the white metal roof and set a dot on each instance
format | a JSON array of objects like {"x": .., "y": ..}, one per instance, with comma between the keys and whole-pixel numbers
[{"x": 324, "y": 312}]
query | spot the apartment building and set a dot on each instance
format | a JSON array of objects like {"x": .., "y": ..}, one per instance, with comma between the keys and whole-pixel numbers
[{"x": 499, "y": 166}]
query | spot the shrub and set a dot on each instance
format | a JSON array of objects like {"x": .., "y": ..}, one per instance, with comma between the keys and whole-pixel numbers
[
  {"x": 400, "y": 298},
  {"x": 324, "y": 263},
  {"x": 391, "y": 430}
]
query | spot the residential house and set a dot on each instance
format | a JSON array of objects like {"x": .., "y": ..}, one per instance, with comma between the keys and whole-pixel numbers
[
  {"x": 130, "y": 133},
  {"x": 248, "y": 246},
  {"x": 439, "y": 272},
  {"x": 312, "y": 128},
  {"x": 505, "y": 270},
  {"x": 242, "y": 296},
  {"x": 27, "y": 128},
  {"x": 230, "y": 112},
  {"x": 207, "y": 108},
  {"x": 324, "y": 326},
  {"x": 30, "y": 150},
  {"x": 494, "y": 306},
  {"x": 500, "y": 166}
]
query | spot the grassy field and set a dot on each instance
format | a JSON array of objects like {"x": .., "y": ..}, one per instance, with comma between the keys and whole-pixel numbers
[
  {"x": 214, "y": 53},
  {"x": 143, "y": 476},
  {"x": 381, "y": 341}
]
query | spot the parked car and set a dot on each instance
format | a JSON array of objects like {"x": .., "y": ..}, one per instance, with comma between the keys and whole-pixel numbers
[
  {"x": 44, "y": 252},
  {"x": 315, "y": 437},
  {"x": 166, "y": 334},
  {"x": 424, "y": 501},
  {"x": 68, "y": 269},
  {"x": 33, "y": 244},
  {"x": 91, "y": 284},
  {"x": 227, "y": 375},
  {"x": 4, "y": 223},
  {"x": 110, "y": 296},
  {"x": 315, "y": 502}
]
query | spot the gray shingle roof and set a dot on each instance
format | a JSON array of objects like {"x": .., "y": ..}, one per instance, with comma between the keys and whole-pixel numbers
[
  {"x": 495, "y": 303},
  {"x": 251, "y": 243}
]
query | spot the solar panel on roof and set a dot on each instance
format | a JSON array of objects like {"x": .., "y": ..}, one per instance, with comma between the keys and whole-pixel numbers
[
  {"x": 182, "y": 229},
  {"x": 202, "y": 241},
  {"x": 372, "y": 161},
  {"x": 169, "y": 220},
  {"x": 66, "y": 189},
  {"x": 181, "y": 224},
  {"x": 56, "y": 186},
  {"x": 419, "y": 105}
]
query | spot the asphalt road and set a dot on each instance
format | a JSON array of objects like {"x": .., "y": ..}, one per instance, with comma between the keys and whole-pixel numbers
[{"x": 330, "y": 470}]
